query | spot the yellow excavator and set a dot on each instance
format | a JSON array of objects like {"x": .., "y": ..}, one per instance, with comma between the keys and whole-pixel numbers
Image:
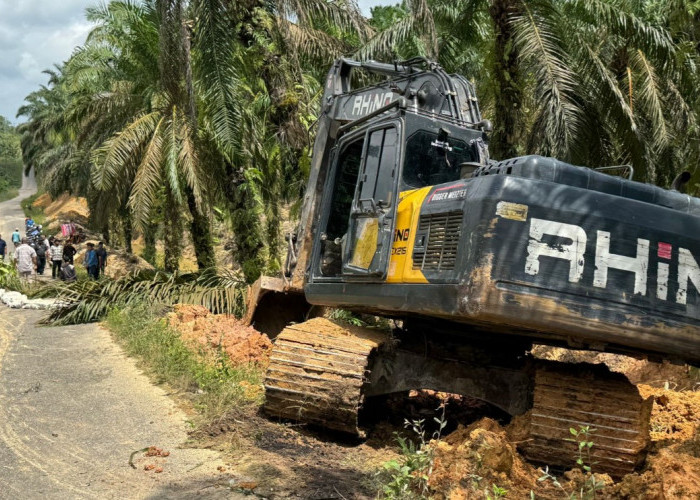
[{"x": 406, "y": 217}]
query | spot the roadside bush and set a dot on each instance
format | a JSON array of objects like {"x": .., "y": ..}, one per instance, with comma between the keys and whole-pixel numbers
[
  {"x": 214, "y": 387},
  {"x": 9, "y": 280},
  {"x": 10, "y": 178},
  {"x": 37, "y": 214}
]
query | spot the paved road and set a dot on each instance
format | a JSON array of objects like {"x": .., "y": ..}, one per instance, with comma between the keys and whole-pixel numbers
[
  {"x": 11, "y": 214},
  {"x": 73, "y": 408}
]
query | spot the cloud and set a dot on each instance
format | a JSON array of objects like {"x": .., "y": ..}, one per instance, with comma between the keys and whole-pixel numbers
[{"x": 35, "y": 35}]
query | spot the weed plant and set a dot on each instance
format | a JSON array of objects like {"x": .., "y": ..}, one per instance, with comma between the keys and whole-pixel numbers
[
  {"x": 588, "y": 490},
  {"x": 407, "y": 477}
]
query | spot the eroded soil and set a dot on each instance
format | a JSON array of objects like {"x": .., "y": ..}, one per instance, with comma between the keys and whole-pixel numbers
[{"x": 479, "y": 449}]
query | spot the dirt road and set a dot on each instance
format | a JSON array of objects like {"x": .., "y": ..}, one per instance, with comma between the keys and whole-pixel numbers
[{"x": 73, "y": 408}]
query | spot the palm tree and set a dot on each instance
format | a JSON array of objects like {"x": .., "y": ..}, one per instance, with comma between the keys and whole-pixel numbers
[
  {"x": 589, "y": 81},
  {"x": 153, "y": 161}
]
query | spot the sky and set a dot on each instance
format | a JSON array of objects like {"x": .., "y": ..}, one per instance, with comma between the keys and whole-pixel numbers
[{"x": 36, "y": 34}]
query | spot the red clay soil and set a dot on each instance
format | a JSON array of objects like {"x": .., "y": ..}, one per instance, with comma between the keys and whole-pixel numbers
[
  {"x": 214, "y": 332},
  {"x": 471, "y": 460},
  {"x": 671, "y": 474},
  {"x": 675, "y": 414},
  {"x": 638, "y": 371}
]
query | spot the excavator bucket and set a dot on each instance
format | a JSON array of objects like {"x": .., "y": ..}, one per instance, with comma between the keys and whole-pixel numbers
[{"x": 272, "y": 304}]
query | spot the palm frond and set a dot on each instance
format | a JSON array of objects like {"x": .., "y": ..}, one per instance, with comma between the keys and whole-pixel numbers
[
  {"x": 221, "y": 292},
  {"x": 114, "y": 158},
  {"x": 558, "y": 117},
  {"x": 147, "y": 181}
]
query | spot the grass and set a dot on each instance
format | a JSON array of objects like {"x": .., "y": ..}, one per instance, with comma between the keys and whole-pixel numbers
[
  {"x": 8, "y": 194},
  {"x": 33, "y": 212},
  {"x": 215, "y": 388},
  {"x": 9, "y": 279},
  {"x": 10, "y": 178}
]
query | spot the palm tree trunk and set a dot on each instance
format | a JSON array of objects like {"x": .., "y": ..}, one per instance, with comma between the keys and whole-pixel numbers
[
  {"x": 508, "y": 122},
  {"x": 105, "y": 233},
  {"x": 149, "y": 249},
  {"x": 248, "y": 235},
  {"x": 172, "y": 234},
  {"x": 127, "y": 228},
  {"x": 201, "y": 235},
  {"x": 176, "y": 61}
]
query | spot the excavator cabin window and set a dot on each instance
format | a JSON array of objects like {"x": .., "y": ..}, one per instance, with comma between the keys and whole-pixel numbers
[
  {"x": 429, "y": 161},
  {"x": 347, "y": 171}
]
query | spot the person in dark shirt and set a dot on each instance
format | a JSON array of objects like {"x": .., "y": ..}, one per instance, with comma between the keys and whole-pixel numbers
[
  {"x": 3, "y": 249},
  {"x": 101, "y": 256},
  {"x": 69, "y": 251},
  {"x": 92, "y": 263},
  {"x": 40, "y": 248}
]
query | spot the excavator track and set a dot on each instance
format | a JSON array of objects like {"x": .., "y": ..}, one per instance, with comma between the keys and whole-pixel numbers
[
  {"x": 319, "y": 374},
  {"x": 317, "y": 371},
  {"x": 568, "y": 396}
]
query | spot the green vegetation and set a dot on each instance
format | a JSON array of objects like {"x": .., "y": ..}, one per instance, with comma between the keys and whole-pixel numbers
[
  {"x": 214, "y": 388},
  {"x": 407, "y": 477},
  {"x": 89, "y": 300},
  {"x": 9, "y": 279},
  {"x": 37, "y": 214},
  {"x": 10, "y": 161},
  {"x": 591, "y": 484},
  {"x": 222, "y": 123}
]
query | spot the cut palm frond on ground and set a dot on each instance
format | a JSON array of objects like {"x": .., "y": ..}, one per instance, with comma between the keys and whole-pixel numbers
[{"x": 88, "y": 301}]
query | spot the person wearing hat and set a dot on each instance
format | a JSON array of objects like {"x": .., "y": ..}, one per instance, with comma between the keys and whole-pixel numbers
[
  {"x": 92, "y": 262},
  {"x": 16, "y": 237}
]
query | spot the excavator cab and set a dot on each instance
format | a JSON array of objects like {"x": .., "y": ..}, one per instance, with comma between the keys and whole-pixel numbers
[{"x": 372, "y": 170}]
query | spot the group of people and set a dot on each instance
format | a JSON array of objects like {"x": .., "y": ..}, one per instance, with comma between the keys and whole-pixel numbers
[{"x": 33, "y": 257}]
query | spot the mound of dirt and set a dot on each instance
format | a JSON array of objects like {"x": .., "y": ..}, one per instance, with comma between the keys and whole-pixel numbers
[
  {"x": 472, "y": 460},
  {"x": 675, "y": 414},
  {"x": 42, "y": 201},
  {"x": 670, "y": 474},
  {"x": 121, "y": 263},
  {"x": 214, "y": 332},
  {"x": 63, "y": 209}
]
